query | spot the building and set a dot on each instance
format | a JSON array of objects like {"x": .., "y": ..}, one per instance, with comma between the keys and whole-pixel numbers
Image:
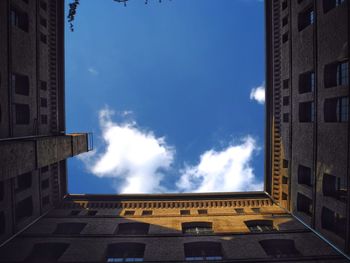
[{"x": 302, "y": 216}]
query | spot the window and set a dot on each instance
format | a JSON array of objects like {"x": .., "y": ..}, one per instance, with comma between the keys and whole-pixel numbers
[
  {"x": 260, "y": 225},
  {"x": 43, "y": 85},
  {"x": 184, "y": 212},
  {"x": 24, "y": 208},
  {"x": 74, "y": 212},
  {"x": 147, "y": 212},
  {"x": 45, "y": 184},
  {"x": 307, "y": 82},
  {"x": 195, "y": 251},
  {"x": 2, "y": 223},
  {"x": 125, "y": 252},
  {"x": 19, "y": 19},
  {"x": 332, "y": 187},
  {"x": 43, "y": 5},
  {"x": 22, "y": 113},
  {"x": 285, "y": 117},
  {"x": 2, "y": 190},
  {"x": 333, "y": 222},
  {"x": 284, "y": 196},
  {"x": 202, "y": 211},
  {"x": 306, "y": 18},
  {"x": 256, "y": 210},
  {"x": 336, "y": 109},
  {"x": 197, "y": 228},
  {"x": 285, "y": 21},
  {"x": 23, "y": 182},
  {"x": 69, "y": 228},
  {"x": 279, "y": 248},
  {"x": 304, "y": 204},
  {"x": 91, "y": 212},
  {"x": 129, "y": 213},
  {"x": 43, "y": 102},
  {"x": 336, "y": 74},
  {"x": 304, "y": 175},
  {"x": 307, "y": 111},
  {"x": 330, "y": 4},
  {"x": 47, "y": 252},
  {"x": 286, "y": 84},
  {"x": 20, "y": 84},
  {"x": 285, "y": 163},
  {"x": 285, "y": 100},
  {"x": 132, "y": 229},
  {"x": 284, "y": 180},
  {"x": 43, "y": 38},
  {"x": 43, "y": 22},
  {"x": 46, "y": 200},
  {"x": 285, "y": 37},
  {"x": 44, "y": 169},
  {"x": 43, "y": 118},
  {"x": 239, "y": 210},
  {"x": 284, "y": 5}
]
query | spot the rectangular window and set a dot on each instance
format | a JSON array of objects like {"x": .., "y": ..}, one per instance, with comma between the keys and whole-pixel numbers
[
  {"x": 333, "y": 222},
  {"x": 147, "y": 212},
  {"x": 333, "y": 187},
  {"x": 307, "y": 111},
  {"x": 284, "y": 5},
  {"x": 19, "y": 19},
  {"x": 43, "y": 38},
  {"x": 304, "y": 175},
  {"x": 43, "y": 85},
  {"x": 343, "y": 73},
  {"x": 22, "y": 113},
  {"x": 129, "y": 213},
  {"x": 46, "y": 200},
  {"x": 202, "y": 211},
  {"x": 284, "y": 196},
  {"x": 284, "y": 180},
  {"x": 285, "y": 37},
  {"x": 2, "y": 223},
  {"x": 44, "y": 169},
  {"x": 43, "y": 119},
  {"x": 286, "y": 84},
  {"x": 23, "y": 182},
  {"x": 2, "y": 190},
  {"x": 285, "y": 163},
  {"x": 336, "y": 74},
  {"x": 43, "y": 102},
  {"x": 24, "y": 208},
  {"x": 185, "y": 212},
  {"x": 43, "y": 5},
  {"x": 330, "y": 4},
  {"x": 43, "y": 21},
  {"x": 45, "y": 183},
  {"x": 239, "y": 210},
  {"x": 306, "y": 18},
  {"x": 20, "y": 84},
  {"x": 336, "y": 109},
  {"x": 285, "y": 21},
  {"x": 285, "y": 100},
  {"x": 304, "y": 204},
  {"x": 307, "y": 82},
  {"x": 256, "y": 210},
  {"x": 285, "y": 117}
]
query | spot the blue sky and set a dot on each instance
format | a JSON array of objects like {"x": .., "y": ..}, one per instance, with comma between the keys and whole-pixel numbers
[{"x": 168, "y": 91}]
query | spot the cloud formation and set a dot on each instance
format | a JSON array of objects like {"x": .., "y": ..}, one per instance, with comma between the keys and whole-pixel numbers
[
  {"x": 258, "y": 94},
  {"x": 228, "y": 170},
  {"x": 138, "y": 158},
  {"x": 92, "y": 71}
]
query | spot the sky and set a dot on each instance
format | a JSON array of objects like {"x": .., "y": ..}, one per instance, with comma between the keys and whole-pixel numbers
[{"x": 173, "y": 93}]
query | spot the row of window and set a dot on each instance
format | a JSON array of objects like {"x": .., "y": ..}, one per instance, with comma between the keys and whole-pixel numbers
[
  {"x": 134, "y": 252},
  {"x": 24, "y": 208}
]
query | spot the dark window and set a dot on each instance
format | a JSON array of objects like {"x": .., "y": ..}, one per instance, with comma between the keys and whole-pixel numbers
[
  {"x": 75, "y": 212},
  {"x": 285, "y": 100},
  {"x": 69, "y": 228},
  {"x": 239, "y": 210},
  {"x": 184, "y": 212},
  {"x": 45, "y": 184},
  {"x": 286, "y": 84},
  {"x": 43, "y": 22},
  {"x": 125, "y": 252},
  {"x": 47, "y": 252},
  {"x": 129, "y": 213},
  {"x": 285, "y": 21},
  {"x": 19, "y": 19},
  {"x": 343, "y": 73},
  {"x": 20, "y": 84},
  {"x": 330, "y": 4},
  {"x": 43, "y": 5},
  {"x": 24, "y": 208},
  {"x": 307, "y": 111},
  {"x": 202, "y": 211},
  {"x": 285, "y": 117},
  {"x": 285, "y": 37},
  {"x": 43, "y": 38},
  {"x": 279, "y": 248},
  {"x": 147, "y": 212},
  {"x": 195, "y": 251},
  {"x": 284, "y": 196},
  {"x": 197, "y": 228},
  {"x": 23, "y": 182},
  {"x": 304, "y": 204},
  {"x": 333, "y": 222},
  {"x": 256, "y": 210},
  {"x": 336, "y": 109},
  {"x": 132, "y": 229},
  {"x": 304, "y": 175},
  {"x": 43, "y": 85},
  {"x": 260, "y": 225},
  {"x": 91, "y": 212},
  {"x": 2, "y": 190},
  {"x": 43, "y": 118},
  {"x": 284, "y": 180},
  {"x": 46, "y": 200},
  {"x": 44, "y": 169},
  {"x": 284, "y": 5},
  {"x": 336, "y": 74},
  {"x": 22, "y": 113},
  {"x": 285, "y": 163},
  {"x": 332, "y": 186},
  {"x": 43, "y": 102},
  {"x": 306, "y": 18},
  {"x": 2, "y": 223},
  {"x": 307, "y": 82}
]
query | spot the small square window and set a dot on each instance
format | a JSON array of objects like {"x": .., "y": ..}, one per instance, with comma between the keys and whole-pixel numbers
[
  {"x": 285, "y": 163},
  {"x": 202, "y": 211},
  {"x": 185, "y": 212},
  {"x": 284, "y": 180},
  {"x": 239, "y": 210},
  {"x": 129, "y": 213},
  {"x": 147, "y": 212},
  {"x": 22, "y": 113}
]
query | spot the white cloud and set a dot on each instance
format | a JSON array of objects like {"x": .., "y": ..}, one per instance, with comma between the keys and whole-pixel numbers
[
  {"x": 138, "y": 158},
  {"x": 228, "y": 170},
  {"x": 92, "y": 71},
  {"x": 258, "y": 94}
]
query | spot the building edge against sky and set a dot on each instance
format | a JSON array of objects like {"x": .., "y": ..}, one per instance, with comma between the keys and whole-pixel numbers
[{"x": 49, "y": 225}]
